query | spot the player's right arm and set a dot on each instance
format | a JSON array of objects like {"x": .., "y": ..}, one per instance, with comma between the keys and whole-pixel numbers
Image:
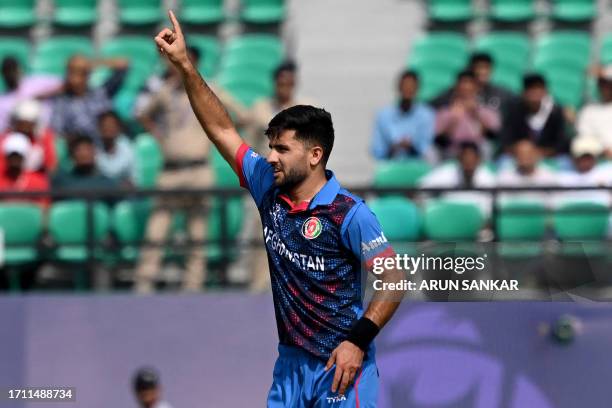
[{"x": 207, "y": 107}]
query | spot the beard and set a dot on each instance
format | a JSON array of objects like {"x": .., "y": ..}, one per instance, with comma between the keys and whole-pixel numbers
[{"x": 290, "y": 178}]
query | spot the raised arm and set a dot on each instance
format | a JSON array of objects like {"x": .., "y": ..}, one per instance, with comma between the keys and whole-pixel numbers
[{"x": 207, "y": 107}]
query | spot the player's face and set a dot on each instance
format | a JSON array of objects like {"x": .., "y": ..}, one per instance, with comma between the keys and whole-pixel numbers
[
  {"x": 148, "y": 398},
  {"x": 289, "y": 157}
]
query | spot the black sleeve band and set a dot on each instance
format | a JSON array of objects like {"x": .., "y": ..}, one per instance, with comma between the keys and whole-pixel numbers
[{"x": 363, "y": 332}]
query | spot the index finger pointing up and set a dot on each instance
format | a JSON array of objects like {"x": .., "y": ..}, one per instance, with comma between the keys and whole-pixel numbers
[{"x": 175, "y": 23}]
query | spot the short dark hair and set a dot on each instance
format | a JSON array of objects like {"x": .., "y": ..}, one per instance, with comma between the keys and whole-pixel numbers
[
  {"x": 287, "y": 66},
  {"x": 78, "y": 139},
  {"x": 408, "y": 73},
  {"x": 9, "y": 63},
  {"x": 533, "y": 80},
  {"x": 481, "y": 57},
  {"x": 109, "y": 113},
  {"x": 312, "y": 125},
  {"x": 465, "y": 74},
  {"x": 145, "y": 378},
  {"x": 469, "y": 145}
]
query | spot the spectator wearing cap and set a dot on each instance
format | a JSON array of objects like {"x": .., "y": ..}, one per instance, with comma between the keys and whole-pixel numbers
[
  {"x": 537, "y": 117},
  {"x": 115, "y": 156},
  {"x": 19, "y": 87},
  {"x": 490, "y": 95},
  {"x": 526, "y": 171},
  {"x": 14, "y": 176},
  {"x": 285, "y": 79},
  {"x": 467, "y": 172},
  {"x": 77, "y": 107},
  {"x": 406, "y": 128},
  {"x": 596, "y": 119},
  {"x": 84, "y": 174},
  {"x": 25, "y": 120},
  {"x": 586, "y": 172},
  {"x": 147, "y": 389},
  {"x": 465, "y": 119}
]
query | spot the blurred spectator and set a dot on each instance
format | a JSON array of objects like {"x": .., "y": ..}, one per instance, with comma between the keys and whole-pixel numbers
[
  {"x": 285, "y": 83},
  {"x": 19, "y": 87},
  {"x": 84, "y": 174},
  {"x": 41, "y": 156},
  {"x": 586, "y": 173},
  {"x": 537, "y": 117},
  {"x": 465, "y": 119},
  {"x": 595, "y": 119},
  {"x": 115, "y": 158},
  {"x": 467, "y": 172},
  {"x": 14, "y": 176},
  {"x": 492, "y": 96},
  {"x": 527, "y": 171},
  {"x": 170, "y": 119},
  {"x": 155, "y": 83},
  {"x": 76, "y": 109},
  {"x": 147, "y": 389},
  {"x": 405, "y": 128}
]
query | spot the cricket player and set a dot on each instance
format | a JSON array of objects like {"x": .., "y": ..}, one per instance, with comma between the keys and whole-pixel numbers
[{"x": 319, "y": 238}]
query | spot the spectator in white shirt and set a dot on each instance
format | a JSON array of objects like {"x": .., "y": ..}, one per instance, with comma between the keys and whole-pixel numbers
[
  {"x": 115, "y": 156},
  {"x": 596, "y": 119},
  {"x": 586, "y": 173},
  {"x": 467, "y": 172},
  {"x": 527, "y": 171}
]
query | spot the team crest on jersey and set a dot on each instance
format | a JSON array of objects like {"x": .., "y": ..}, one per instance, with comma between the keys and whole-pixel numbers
[{"x": 312, "y": 228}]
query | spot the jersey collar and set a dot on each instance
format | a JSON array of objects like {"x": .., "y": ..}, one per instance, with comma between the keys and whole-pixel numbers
[{"x": 325, "y": 196}]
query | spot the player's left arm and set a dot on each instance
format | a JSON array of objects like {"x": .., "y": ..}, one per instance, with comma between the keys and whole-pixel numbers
[{"x": 363, "y": 234}]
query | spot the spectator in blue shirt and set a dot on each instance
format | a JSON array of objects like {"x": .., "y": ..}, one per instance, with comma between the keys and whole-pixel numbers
[
  {"x": 404, "y": 129},
  {"x": 115, "y": 158}
]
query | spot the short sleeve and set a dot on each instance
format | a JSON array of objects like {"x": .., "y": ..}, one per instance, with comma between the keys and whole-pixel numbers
[
  {"x": 363, "y": 235},
  {"x": 254, "y": 172}
]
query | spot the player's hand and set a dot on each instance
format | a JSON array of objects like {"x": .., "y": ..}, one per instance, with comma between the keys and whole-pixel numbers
[
  {"x": 171, "y": 43},
  {"x": 348, "y": 359}
]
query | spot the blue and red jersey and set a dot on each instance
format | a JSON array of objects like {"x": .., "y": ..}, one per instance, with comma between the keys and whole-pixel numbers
[{"x": 316, "y": 254}]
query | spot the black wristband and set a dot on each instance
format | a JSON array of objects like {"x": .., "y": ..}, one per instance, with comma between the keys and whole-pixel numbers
[{"x": 362, "y": 333}]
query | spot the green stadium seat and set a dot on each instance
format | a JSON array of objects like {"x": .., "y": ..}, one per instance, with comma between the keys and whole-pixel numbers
[
  {"x": 261, "y": 46},
  {"x": 423, "y": 61},
  {"x": 16, "y": 47},
  {"x": 129, "y": 223},
  {"x": 68, "y": 229},
  {"x": 399, "y": 217},
  {"x": 452, "y": 221},
  {"x": 450, "y": 11},
  {"x": 17, "y": 13},
  {"x": 433, "y": 80},
  {"x": 202, "y": 12},
  {"x": 565, "y": 85},
  {"x": 512, "y": 11},
  {"x": 139, "y": 12},
  {"x": 582, "y": 228},
  {"x": 263, "y": 11},
  {"x": 52, "y": 55},
  {"x": 581, "y": 221},
  {"x": 574, "y": 43},
  {"x": 605, "y": 54},
  {"x": 210, "y": 53},
  {"x": 75, "y": 13},
  {"x": 404, "y": 173},
  {"x": 574, "y": 10},
  {"x": 21, "y": 225},
  {"x": 520, "y": 227},
  {"x": 149, "y": 160},
  {"x": 246, "y": 90},
  {"x": 509, "y": 78},
  {"x": 64, "y": 162},
  {"x": 453, "y": 45}
]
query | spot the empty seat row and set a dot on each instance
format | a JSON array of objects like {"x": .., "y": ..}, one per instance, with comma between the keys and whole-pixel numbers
[{"x": 79, "y": 13}]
